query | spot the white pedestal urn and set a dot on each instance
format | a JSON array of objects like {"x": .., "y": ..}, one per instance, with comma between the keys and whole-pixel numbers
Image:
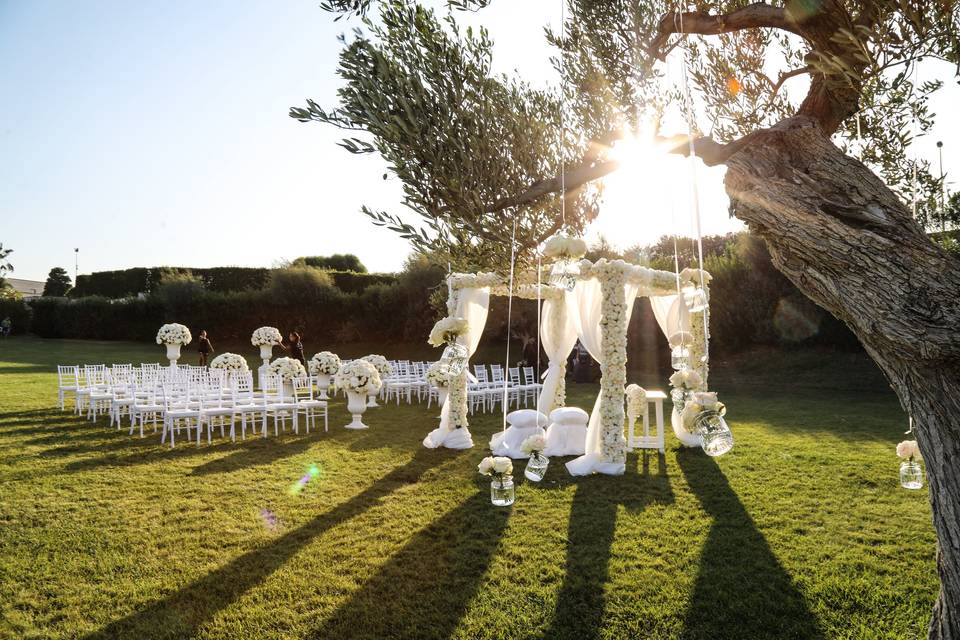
[
  {"x": 266, "y": 352},
  {"x": 372, "y": 401},
  {"x": 323, "y": 384},
  {"x": 173, "y": 354},
  {"x": 356, "y": 405}
]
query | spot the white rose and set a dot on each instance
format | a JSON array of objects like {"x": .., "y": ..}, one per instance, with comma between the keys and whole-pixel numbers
[
  {"x": 486, "y": 466},
  {"x": 502, "y": 465}
]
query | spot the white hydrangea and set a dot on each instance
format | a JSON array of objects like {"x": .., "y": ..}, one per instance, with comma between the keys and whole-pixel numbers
[
  {"x": 563, "y": 247},
  {"x": 325, "y": 363},
  {"x": 686, "y": 379},
  {"x": 381, "y": 364},
  {"x": 231, "y": 362},
  {"x": 438, "y": 375},
  {"x": 265, "y": 336},
  {"x": 447, "y": 330},
  {"x": 174, "y": 333},
  {"x": 358, "y": 376},
  {"x": 287, "y": 368}
]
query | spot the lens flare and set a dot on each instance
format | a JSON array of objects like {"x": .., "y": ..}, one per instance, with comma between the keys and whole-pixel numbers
[
  {"x": 313, "y": 471},
  {"x": 270, "y": 519}
]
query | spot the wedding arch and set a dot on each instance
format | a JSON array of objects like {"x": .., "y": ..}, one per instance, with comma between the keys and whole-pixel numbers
[{"x": 596, "y": 310}]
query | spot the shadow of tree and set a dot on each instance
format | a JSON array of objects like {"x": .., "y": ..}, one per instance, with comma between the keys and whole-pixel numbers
[
  {"x": 423, "y": 591},
  {"x": 741, "y": 591},
  {"x": 181, "y": 614},
  {"x": 590, "y": 536},
  {"x": 253, "y": 453}
]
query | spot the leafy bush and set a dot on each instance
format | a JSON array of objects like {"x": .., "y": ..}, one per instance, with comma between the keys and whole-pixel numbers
[
  {"x": 336, "y": 262},
  {"x": 19, "y": 313}
]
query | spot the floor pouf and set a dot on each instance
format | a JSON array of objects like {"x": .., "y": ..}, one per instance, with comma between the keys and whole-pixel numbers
[
  {"x": 567, "y": 433},
  {"x": 523, "y": 424}
]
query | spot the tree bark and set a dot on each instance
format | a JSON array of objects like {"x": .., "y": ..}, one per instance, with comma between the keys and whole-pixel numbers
[{"x": 849, "y": 244}]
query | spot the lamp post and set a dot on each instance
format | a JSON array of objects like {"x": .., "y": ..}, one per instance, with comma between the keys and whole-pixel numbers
[
  {"x": 76, "y": 264},
  {"x": 943, "y": 212}
]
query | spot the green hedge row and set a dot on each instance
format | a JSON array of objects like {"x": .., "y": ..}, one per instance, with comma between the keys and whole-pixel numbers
[{"x": 130, "y": 282}]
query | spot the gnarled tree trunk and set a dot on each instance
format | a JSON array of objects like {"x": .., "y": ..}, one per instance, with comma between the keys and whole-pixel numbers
[{"x": 848, "y": 243}]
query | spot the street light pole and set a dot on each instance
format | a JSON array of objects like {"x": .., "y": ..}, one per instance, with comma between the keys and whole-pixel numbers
[
  {"x": 76, "y": 264},
  {"x": 943, "y": 187}
]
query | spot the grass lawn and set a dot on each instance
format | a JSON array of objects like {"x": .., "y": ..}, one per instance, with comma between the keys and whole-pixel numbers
[{"x": 800, "y": 532}]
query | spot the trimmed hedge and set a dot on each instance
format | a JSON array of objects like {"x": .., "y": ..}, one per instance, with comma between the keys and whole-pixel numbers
[{"x": 19, "y": 313}]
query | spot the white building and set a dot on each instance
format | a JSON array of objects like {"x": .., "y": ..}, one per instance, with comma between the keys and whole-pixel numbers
[{"x": 27, "y": 288}]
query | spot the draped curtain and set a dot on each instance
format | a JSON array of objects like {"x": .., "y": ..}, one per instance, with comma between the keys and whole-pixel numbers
[
  {"x": 558, "y": 335},
  {"x": 473, "y": 306},
  {"x": 587, "y": 312},
  {"x": 671, "y": 313}
]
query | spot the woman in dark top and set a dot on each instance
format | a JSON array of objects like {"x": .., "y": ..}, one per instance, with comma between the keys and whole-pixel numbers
[
  {"x": 295, "y": 348},
  {"x": 204, "y": 347}
]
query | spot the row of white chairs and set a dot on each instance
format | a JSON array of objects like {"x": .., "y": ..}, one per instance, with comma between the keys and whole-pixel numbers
[{"x": 191, "y": 399}]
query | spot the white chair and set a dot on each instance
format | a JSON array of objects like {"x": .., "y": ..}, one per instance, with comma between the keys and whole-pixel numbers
[
  {"x": 177, "y": 412},
  {"x": 67, "y": 382},
  {"x": 145, "y": 404},
  {"x": 99, "y": 395},
  {"x": 308, "y": 405},
  {"x": 217, "y": 410},
  {"x": 531, "y": 385},
  {"x": 246, "y": 404},
  {"x": 278, "y": 405}
]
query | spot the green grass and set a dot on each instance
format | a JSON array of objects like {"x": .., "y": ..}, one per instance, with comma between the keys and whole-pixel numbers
[{"x": 800, "y": 532}]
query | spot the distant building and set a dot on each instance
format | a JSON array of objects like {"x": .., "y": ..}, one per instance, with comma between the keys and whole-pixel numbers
[{"x": 27, "y": 288}]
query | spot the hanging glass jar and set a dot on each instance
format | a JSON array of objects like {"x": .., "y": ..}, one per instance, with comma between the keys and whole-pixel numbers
[
  {"x": 536, "y": 467},
  {"x": 679, "y": 397},
  {"x": 680, "y": 343},
  {"x": 501, "y": 490},
  {"x": 696, "y": 299},
  {"x": 911, "y": 475},
  {"x": 456, "y": 357},
  {"x": 564, "y": 274},
  {"x": 715, "y": 436}
]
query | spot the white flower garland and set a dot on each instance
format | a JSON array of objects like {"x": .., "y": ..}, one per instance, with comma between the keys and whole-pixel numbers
[
  {"x": 324, "y": 362},
  {"x": 457, "y": 401},
  {"x": 231, "y": 362},
  {"x": 438, "y": 375},
  {"x": 174, "y": 333},
  {"x": 612, "y": 275},
  {"x": 266, "y": 335},
  {"x": 447, "y": 330},
  {"x": 287, "y": 369},
  {"x": 381, "y": 364},
  {"x": 358, "y": 376}
]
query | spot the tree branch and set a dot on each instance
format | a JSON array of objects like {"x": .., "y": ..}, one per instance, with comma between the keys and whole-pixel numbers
[{"x": 753, "y": 16}]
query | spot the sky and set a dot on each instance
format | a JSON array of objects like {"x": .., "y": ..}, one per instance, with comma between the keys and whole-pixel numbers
[{"x": 150, "y": 134}]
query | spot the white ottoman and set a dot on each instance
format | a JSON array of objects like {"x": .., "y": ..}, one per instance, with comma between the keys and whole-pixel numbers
[
  {"x": 523, "y": 424},
  {"x": 567, "y": 434}
]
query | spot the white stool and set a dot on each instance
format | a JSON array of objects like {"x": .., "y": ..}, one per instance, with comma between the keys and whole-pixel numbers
[{"x": 647, "y": 441}]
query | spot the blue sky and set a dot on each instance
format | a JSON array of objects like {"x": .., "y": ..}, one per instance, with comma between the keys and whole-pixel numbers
[{"x": 157, "y": 133}]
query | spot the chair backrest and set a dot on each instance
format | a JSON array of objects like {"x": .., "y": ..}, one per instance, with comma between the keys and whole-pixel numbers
[
  {"x": 496, "y": 373},
  {"x": 529, "y": 377},
  {"x": 302, "y": 389},
  {"x": 480, "y": 371},
  {"x": 67, "y": 374},
  {"x": 514, "y": 373}
]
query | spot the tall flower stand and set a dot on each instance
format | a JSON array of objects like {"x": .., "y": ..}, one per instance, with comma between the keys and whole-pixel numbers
[
  {"x": 173, "y": 354},
  {"x": 323, "y": 385},
  {"x": 356, "y": 405},
  {"x": 266, "y": 352},
  {"x": 372, "y": 401}
]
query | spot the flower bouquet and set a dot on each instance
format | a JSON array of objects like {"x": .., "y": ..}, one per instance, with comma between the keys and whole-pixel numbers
[
  {"x": 266, "y": 338},
  {"x": 359, "y": 379},
  {"x": 911, "y": 475},
  {"x": 174, "y": 336},
  {"x": 230, "y": 363},
  {"x": 703, "y": 415},
  {"x": 446, "y": 332},
  {"x": 323, "y": 365},
  {"x": 383, "y": 368},
  {"x": 566, "y": 251},
  {"x": 537, "y": 463},
  {"x": 501, "y": 487}
]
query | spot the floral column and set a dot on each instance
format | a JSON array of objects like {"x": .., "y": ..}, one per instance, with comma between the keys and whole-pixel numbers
[{"x": 613, "y": 332}]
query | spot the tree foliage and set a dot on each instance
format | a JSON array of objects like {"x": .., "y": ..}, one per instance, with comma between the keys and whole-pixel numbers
[
  {"x": 335, "y": 262},
  {"x": 58, "y": 282}
]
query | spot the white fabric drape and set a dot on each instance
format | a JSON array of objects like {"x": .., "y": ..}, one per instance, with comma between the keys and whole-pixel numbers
[
  {"x": 473, "y": 305},
  {"x": 586, "y": 301},
  {"x": 671, "y": 313},
  {"x": 558, "y": 335}
]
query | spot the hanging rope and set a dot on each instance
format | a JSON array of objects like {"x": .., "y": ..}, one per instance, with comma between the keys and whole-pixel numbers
[
  {"x": 563, "y": 119},
  {"x": 537, "y": 374},
  {"x": 506, "y": 364}
]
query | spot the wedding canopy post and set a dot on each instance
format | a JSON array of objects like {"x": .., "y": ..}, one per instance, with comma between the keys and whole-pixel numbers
[{"x": 597, "y": 312}]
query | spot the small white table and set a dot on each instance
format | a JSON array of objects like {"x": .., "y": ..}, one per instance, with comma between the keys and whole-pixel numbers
[{"x": 648, "y": 441}]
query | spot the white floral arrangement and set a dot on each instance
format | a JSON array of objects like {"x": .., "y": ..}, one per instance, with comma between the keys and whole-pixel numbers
[
  {"x": 447, "y": 330},
  {"x": 564, "y": 247},
  {"x": 457, "y": 401},
  {"x": 287, "y": 368},
  {"x": 695, "y": 276},
  {"x": 174, "y": 333},
  {"x": 908, "y": 450},
  {"x": 697, "y": 403},
  {"x": 266, "y": 336},
  {"x": 534, "y": 445},
  {"x": 358, "y": 376},
  {"x": 473, "y": 280},
  {"x": 613, "y": 327},
  {"x": 230, "y": 362},
  {"x": 324, "y": 363},
  {"x": 380, "y": 363},
  {"x": 438, "y": 375},
  {"x": 687, "y": 379},
  {"x": 636, "y": 400},
  {"x": 497, "y": 467}
]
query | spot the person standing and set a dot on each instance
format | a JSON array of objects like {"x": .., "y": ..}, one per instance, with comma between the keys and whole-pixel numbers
[
  {"x": 295, "y": 348},
  {"x": 204, "y": 347},
  {"x": 5, "y": 327}
]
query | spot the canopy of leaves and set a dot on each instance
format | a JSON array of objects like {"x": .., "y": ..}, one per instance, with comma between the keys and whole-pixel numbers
[
  {"x": 335, "y": 262},
  {"x": 457, "y": 136},
  {"x": 58, "y": 282}
]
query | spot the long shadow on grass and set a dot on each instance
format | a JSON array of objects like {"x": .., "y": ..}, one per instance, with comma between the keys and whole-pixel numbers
[
  {"x": 253, "y": 453},
  {"x": 424, "y": 589},
  {"x": 590, "y": 535},
  {"x": 742, "y": 591},
  {"x": 181, "y": 614}
]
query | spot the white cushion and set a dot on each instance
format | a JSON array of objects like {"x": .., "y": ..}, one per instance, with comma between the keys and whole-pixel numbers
[
  {"x": 569, "y": 415},
  {"x": 524, "y": 418}
]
